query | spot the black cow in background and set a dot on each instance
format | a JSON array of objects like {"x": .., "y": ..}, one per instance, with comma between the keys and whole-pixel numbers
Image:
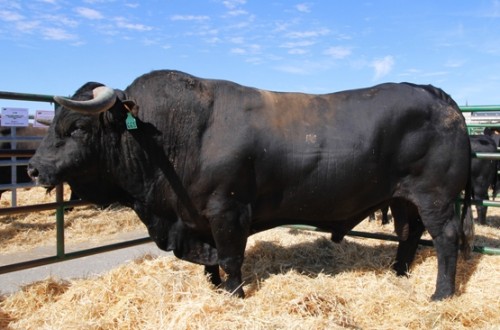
[
  {"x": 494, "y": 133},
  {"x": 483, "y": 172}
]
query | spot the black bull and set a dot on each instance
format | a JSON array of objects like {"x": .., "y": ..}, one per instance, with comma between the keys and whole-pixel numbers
[
  {"x": 483, "y": 172},
  {"x": 212, "y": 162}
]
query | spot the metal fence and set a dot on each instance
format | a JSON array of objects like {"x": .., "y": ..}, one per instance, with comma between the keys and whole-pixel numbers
[{"x": 59, "y": 205}]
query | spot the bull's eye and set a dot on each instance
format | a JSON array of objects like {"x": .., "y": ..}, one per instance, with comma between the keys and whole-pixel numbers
[{"x": 77, "y": 133}]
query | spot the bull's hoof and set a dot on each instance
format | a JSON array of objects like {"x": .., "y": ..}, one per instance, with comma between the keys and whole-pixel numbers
[
  {"x": 239, "y": 293},
  {"x": 216, "y": 281},
  {"x": 234, "y": 287},
  {"x": 337, "y": 238},
  {"x": 401, "y": 269},
  {"x": 443, "y": 291},
  {"x": 438, "y": 296},
  {"x": 236, "y": 292}
]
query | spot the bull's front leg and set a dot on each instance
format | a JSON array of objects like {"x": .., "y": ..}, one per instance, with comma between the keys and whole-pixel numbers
[
  {"x": 212, "y": 273},
  {"x": 230, "y": 224}
]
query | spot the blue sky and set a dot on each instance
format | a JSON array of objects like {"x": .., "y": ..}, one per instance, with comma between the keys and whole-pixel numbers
[{"x": 54, "y": 46}]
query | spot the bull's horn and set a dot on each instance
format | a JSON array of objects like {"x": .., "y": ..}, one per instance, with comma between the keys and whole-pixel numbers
[
  {"x": 104, "y": 98},
  {"x": 44, "y": 121}
]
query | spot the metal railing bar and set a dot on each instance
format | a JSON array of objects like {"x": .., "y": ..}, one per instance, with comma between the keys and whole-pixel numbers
[
  {"x": 484, "y": 125},
  {"x": 26, "y": 97},
  {"x": 486, "y": 155},
  {"x": 479, "y": 108},
  {"x": 40, "y": 207},
  {"x": 72, "y": 255},
  {"x": 392, "y": 238},
  {"x": 484, "y": 202},
  {"x": 18, "y": 138},
  {"x": 17, "y": 185},
  {"x": 17, "y": 152},
  {"x": 19, "y": 162}
]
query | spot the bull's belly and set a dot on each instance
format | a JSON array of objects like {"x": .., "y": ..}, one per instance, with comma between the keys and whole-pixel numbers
[{"x": 319, "y": 206}]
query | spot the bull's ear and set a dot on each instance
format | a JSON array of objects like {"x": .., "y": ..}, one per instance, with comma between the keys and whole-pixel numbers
[
  {"x": 127, "y": 103},
  {"x": 131, "y": 106}
]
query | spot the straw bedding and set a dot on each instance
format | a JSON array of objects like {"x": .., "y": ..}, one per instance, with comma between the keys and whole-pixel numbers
[
  {"x": 293, "y": 280},
  {"x": 89, "y": 224}
]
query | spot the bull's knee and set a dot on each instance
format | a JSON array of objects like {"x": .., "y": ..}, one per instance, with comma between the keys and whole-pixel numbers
[{"x": 450, "y": 231}]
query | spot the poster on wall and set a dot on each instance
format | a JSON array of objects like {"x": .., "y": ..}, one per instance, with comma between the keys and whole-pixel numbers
[
  {"x": 15, "y": 117},
  {"x": 43, "y": 118}
]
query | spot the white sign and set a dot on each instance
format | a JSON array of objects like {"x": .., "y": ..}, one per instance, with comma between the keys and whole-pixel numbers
[
  {"x": 15, "y": 117},
  {"x": 43, "y": 118}
]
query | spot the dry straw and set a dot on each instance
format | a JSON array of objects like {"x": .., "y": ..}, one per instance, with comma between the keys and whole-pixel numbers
[
  {"x": 89, "y": 224},
  {"x": 293, "y": 280}
]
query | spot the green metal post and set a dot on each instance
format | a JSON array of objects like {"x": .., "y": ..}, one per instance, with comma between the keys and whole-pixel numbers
[
  {"x": 60, "y": 218},
  {"x": 60, "y": 221},
  {"x": 458, "y": 208}
]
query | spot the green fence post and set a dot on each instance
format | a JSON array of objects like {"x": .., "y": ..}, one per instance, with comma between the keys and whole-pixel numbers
[
  {"x": 458, "y": 207},
  {"x": 61, "y": 253},
  {"x": 60, "y": 221}
]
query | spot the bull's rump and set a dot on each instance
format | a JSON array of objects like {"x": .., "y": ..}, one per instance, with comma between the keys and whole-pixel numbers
[{"x": 341, "y": 155}]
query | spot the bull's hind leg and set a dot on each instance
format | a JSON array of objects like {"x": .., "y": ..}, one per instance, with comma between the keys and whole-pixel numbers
[
  {"x": 409, "y": 229},
  {"x": 442, "y": 225},
  {"x": 446, "y": 242}
]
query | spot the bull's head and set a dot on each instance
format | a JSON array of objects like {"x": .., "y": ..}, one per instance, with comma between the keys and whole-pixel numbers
[{"x": 73, "y": 148}]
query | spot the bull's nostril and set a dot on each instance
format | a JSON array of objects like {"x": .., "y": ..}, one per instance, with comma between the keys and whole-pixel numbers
[{"x": 32, "y": 171}]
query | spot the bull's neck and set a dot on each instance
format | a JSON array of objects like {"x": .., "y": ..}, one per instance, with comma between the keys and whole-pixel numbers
[{"x": 148, "y": 165}]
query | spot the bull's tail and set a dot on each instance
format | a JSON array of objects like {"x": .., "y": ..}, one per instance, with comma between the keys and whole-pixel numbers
[{"x": 466, "y": 220}]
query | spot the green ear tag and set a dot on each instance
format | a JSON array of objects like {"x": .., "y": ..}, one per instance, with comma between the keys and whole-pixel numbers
[{"x": 130, "y": 122}]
